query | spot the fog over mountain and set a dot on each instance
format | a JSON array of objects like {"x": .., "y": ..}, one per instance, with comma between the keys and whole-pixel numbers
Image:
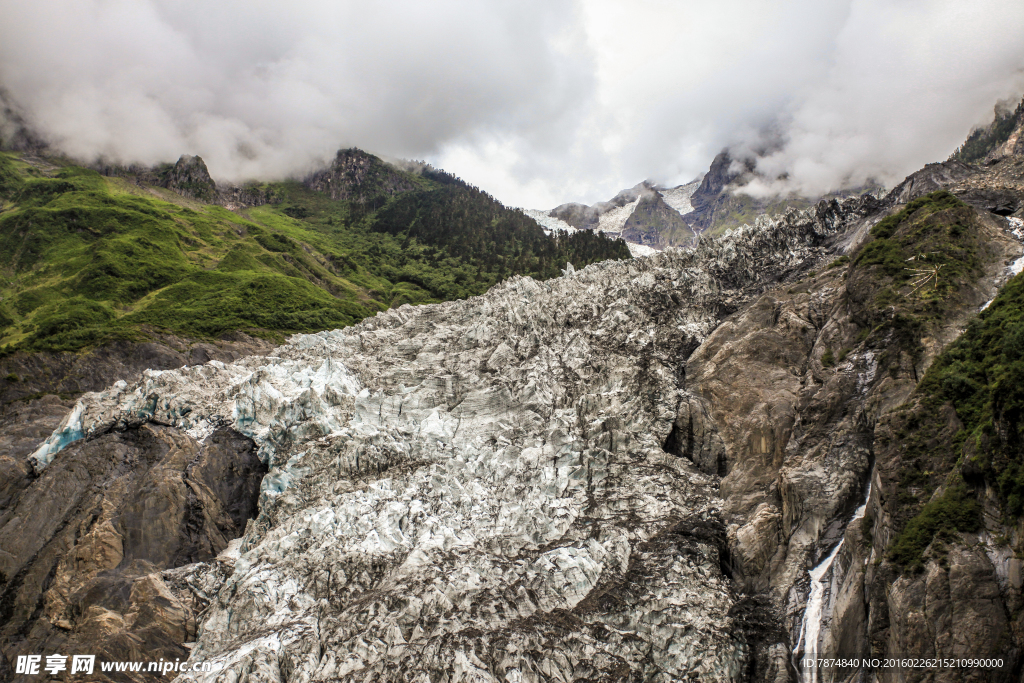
[{"x": 539, "y": 103}]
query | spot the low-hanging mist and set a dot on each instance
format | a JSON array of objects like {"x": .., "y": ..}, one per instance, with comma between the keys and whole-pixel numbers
[{"x": 538, "y": 103}]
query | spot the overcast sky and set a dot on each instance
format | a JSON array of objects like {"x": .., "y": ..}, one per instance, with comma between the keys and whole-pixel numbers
[{"x": 538, "y": 102}]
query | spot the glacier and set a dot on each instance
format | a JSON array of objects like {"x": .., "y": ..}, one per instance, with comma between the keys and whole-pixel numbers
[{"x": 480, "y": 488}]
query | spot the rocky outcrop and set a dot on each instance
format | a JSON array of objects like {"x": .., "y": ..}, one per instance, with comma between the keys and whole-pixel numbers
[
  {"x": 1014, "y": 144},
  {"x": 579, "y": 216},
  {"x": 996, "y": 141},
  {"x": 655, "y": 224},
  {"x": 358, "y": 176},
  {"x": 644, "y": 215},
  {"x": 39, "y": 391},
  {"x": 190, "y": 178},
  {"x": 250, "y": 194},
  {"x": 719, "y": 176},
  {"x": 695, "y": 436},
  {"x": 997, "y": 188},
  {"x": 800, "y": 392},
  {"x": 83, "y": 546},
  {"x": 28, "y": 375},
  {"x": 931, "y": 178}
]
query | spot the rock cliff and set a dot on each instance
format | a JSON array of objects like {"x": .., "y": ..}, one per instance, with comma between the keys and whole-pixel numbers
[
  {"x": 644, "y": 215},
  {"x": 654, "y": 223},
  {"x": 190, "y": 178}
]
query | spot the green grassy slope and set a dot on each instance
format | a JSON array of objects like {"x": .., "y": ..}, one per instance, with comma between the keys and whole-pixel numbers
[
  {"x": 85, "y": 259},
  {"x": 981, "y": 378}
]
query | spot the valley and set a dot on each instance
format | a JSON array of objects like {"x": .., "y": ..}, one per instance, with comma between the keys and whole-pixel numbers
[{"x": 543, "y": 460}]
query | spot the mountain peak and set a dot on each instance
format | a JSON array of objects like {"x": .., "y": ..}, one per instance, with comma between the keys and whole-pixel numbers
[
  {"x": 997, "y": 140},
  {"x": 190, "y": 178},
  {"x": 360, "y": 176}
]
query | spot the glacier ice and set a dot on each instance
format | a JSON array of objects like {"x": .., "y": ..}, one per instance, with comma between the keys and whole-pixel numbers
[{"x": 479, "y": 487}]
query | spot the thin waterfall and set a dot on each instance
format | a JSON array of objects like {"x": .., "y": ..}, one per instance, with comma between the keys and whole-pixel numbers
[{"x": 810, "y": 626}]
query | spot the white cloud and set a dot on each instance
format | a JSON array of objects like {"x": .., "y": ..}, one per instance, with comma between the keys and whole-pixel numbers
[{"x": 536, "y": 102}]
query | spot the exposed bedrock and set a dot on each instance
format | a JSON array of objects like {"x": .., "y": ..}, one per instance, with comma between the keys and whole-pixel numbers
[
  {"x": 85, "y": 546},
  {"x": 801, "y": 397}
]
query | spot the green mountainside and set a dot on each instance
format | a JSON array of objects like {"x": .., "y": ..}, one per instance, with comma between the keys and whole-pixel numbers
[
  {"x": 88, "y": 258},
  {"x": 962, "y": 427}
]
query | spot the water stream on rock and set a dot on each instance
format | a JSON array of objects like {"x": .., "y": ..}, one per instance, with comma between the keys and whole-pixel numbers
[{"x": 810, "y": 626}]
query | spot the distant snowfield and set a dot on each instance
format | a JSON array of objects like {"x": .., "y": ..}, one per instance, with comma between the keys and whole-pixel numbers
[
  {"x": 612, "y": 222},
  {"x": 549, "y": 223},
  {"x": 636, "y": 250},
  {"x": 679, "y": 197}
]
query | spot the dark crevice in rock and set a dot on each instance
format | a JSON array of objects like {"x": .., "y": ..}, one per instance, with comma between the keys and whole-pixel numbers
[
  {"x": 694, "y": 436},
  {"x": 754, "y": 617}
]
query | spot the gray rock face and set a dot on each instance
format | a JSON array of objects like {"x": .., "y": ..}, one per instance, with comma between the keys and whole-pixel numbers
[
  {"x": 98, "y": 368},
  {"x": 695, "y": 436},
  {"x": 25, "y": 420},
  {"x": 358, "y": 176},
  {"x": 655, "y": 224},
  {"x": 800, "y": 402},
  {"x": 481, "y": 490},
  {"x": 190, "y": 178},
  {"x": 644, "y": 215},
  {"x": 84, "y": 545},
  {"x": 579, "y": 216}
]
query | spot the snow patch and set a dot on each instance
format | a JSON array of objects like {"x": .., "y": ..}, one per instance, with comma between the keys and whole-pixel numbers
[
  {"x": 1016, "y": 267},
  {"x": 636, "y": 250},
  {"x": 613, "y": 221},
  {"x": 549, "y": 223},
  {"x": 1016, "y": 227},
  {"x": 679, "y": 197}
]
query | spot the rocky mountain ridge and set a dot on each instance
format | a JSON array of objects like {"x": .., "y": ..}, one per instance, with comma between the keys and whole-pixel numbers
[
  {"x": 647, "y": 216},
  {"x": 356, "y": 175},
  {"x": 711, "y": 204},
  {"x": 190, "y": 178},
  {"x": 997, "y": 140}
]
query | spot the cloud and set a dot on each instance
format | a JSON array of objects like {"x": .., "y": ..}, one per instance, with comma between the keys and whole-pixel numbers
[
  {"x": 266, "y": 88},
  {"x": 537, "y": 102},
  {"x": 906, "y": 83}
]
